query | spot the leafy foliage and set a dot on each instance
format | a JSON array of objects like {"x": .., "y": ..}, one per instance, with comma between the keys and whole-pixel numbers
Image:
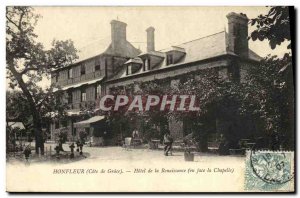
[
  {"x": 268, "y": 95},
  {"x": 274, "y": 26},
  {"x": 63, "y": 135}
]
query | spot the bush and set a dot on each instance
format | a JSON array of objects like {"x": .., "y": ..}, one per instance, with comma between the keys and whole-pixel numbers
[
  {"x": 63, "y": 135},
  {"x": 151, "y": 133}
]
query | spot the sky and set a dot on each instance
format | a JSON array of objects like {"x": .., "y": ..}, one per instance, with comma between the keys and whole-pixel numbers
[{"x": 89, "y": 27}]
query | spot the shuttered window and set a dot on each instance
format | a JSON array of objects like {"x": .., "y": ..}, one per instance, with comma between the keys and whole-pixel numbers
[
  {"x": 70, "y": 73},
  {"x": 82, "y": 70},
  {"x": 98, "y": 91},
  {"x": 169, "y": 59},
  {"x": 83, "y": 96},
  {"x": 129, "y": 70}
]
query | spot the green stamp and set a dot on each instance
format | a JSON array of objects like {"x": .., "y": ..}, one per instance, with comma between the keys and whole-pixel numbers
[{"x": 269, "y": 171}]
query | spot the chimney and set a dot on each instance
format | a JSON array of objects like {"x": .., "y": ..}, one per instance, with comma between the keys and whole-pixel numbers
[
  {"x": 118, "y": 35},
  {"x": 150, "y": 39},
  {"x": 237, "y": 34}
]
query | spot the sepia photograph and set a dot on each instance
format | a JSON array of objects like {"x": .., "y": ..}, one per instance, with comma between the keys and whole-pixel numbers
[{"x": 163, "y": 99}]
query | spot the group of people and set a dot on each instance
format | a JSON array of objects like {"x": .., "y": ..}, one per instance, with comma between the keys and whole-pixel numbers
[{"x": 167, "y": 141}]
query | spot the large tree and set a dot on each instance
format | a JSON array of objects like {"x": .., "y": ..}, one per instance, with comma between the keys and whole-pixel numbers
[
  {"x": 27, "y": 62},
  {"x": 270, "y": 85}
]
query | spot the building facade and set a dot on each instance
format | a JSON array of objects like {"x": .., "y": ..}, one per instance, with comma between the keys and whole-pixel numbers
[
  {"x": 81, "y": 82},
  {"x": 121, "y": 64}
]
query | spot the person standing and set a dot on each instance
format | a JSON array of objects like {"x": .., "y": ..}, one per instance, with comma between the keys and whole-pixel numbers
[
  {"x": 135, "y": 137},
  {"x": 168, "y": 141},
  {"x": 135, "y": 134}
]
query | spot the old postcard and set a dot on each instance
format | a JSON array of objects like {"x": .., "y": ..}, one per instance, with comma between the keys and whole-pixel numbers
[{"x": 150, "y": 99}]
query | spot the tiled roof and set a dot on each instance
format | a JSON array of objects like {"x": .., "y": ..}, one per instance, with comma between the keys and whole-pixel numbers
[
  {"x": 203, "y": 48},
  {"x": 134, "y": 60},
  {"x": 154, "y": 53},
  {"x": 93, "y": 49},
  {"x": 196, "y": 50},
  {"x": 104, "y": 47}
]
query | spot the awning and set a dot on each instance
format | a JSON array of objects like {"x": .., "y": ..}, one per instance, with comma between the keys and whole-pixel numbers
[
  {"x": 79, "y": 84},
  {"x": 86, "y": 123}
]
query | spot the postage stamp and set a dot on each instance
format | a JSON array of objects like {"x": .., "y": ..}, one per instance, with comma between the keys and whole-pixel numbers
[{"x": 269, "y": 171}]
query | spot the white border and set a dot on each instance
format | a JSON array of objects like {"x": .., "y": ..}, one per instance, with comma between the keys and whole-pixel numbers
[{"x": 107, "y": 3}]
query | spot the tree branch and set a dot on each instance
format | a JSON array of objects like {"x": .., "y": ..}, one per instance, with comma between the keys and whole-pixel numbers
[{"x": 11, "y": 21}]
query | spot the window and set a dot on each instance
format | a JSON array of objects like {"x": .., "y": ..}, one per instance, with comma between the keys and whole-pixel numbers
[
  {"x": 97, "y": 67},
  {"x": 97, "y": 64},
  {"x": 82, "y": 70},
  {"x": 146, "y": 64},
  {"x": 70, "y": 73},
  {"x": 57, "y": 76},
  {"x": 129, "y": 69},
  {"x": 70, "y": 98},
  {"x": 169, "y": 59},
  {"x": 83, "y": 96},
  {"x": 98, "y": 91}
]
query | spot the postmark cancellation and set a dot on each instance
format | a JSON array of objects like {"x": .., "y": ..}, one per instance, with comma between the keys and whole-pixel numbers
[{"x": 269, "y": 171}]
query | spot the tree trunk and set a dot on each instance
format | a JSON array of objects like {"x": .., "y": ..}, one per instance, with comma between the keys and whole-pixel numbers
[
  {"x": 39, "y": 139},
  {"x": 37, "y": 126}
]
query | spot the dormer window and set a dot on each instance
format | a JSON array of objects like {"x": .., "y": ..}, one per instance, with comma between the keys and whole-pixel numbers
[
  {"x": 82, "y": 70},
  {"x": 146, "y": 65},
  {"x": 133, "y": 65},
  {"x": 129, "y": 69},
  {"x": 151, "y": 59},
  {"x": 175, "y": 55},
  {"x": 169, "y": 59}
]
